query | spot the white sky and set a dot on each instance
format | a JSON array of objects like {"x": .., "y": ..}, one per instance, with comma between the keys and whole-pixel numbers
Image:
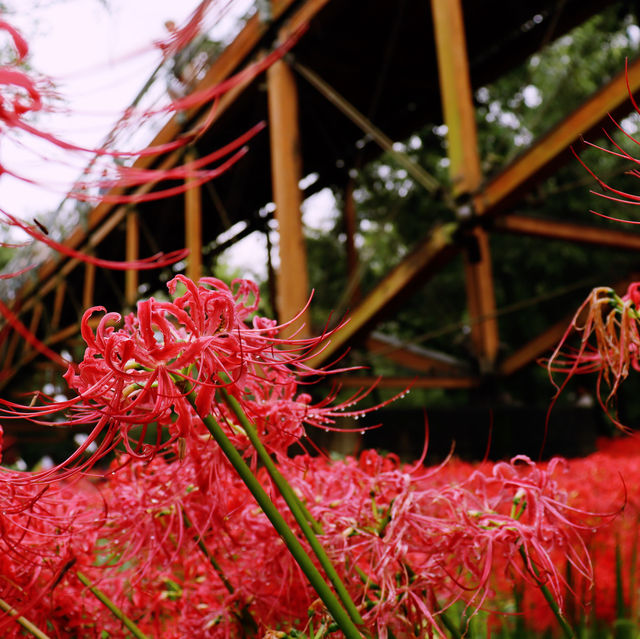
[{"x": 87, "y": 49}]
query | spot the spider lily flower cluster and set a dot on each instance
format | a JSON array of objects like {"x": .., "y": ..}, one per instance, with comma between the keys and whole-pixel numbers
[
  {"x": 608, "y": 329},
  {"x": 202, "y": 526},
  {"x": 401, "y": 545},
  {"x": 409, "y": 542},
  {"x": 137, "y": 370}
]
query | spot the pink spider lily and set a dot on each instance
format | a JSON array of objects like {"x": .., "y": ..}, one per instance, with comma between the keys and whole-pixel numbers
[
  {"x": 424, "y": 540},
  {"x": 607, "y": 326}
]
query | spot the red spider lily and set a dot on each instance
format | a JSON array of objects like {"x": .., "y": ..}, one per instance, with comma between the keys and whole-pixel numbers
[
  {"x": 156, "y": 261},
  {"x": 422, "y": 543},
  {"x": 609, "y": 334},
  {"x": 23, "y": 94},
  {"x": 137, "y": 369},
  {"x": 407, "y": 541}
]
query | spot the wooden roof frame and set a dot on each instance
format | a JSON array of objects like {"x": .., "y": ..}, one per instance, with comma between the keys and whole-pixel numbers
[{"x": 483, "y": 207}]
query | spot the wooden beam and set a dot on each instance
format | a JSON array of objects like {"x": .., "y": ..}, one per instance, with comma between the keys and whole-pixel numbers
[
  {"x": 427, "y": 257},
  {"x": 553, "y": 146},
  {"x": 409, "y": 382},
  {"x": 414, "y": 357},
  {"x": 568, "y": 232},
  {"x": 292, "y": 282},
  {"x": 89, "y": 284},
  {"x": 456, "y": 96},
  {"x": 534, "y": 349},
  {"x": 465, "y": 171},
  {"x": 132, "y": 253},
  {"x": 58, "y": 302},
  {"x": 193, "y": 223}
]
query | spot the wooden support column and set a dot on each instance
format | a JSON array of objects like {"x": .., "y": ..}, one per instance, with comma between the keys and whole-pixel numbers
[
  {"x": 350, "y": 229},
  {"x": 58, "y": 301},
  {"x": 193, "y": 223},
  {"x": 132, "y": 253},
  {"x": 466, "y": 175},
  {"x": 292, "y": 278},
  {"x": 36, "y": 316},
  {"x": 481, "y": 300},
  {"x": 88, "y": 288}
]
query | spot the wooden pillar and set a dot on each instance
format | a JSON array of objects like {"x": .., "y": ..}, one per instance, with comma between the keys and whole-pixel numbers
[
  {"x": 58, "y": 302},
  {"x": 89, "y": 285},
  {"x": 292, "y": 278},
  {"x": 350, "y": 229},
  {"x": 481, "y": 300},
  {"x": 193, "y": 223},
  {"x": 36, "y": 316},
  {"x": 132, "y": 243},
  {"x": 455, "y": 92},
  {"x": 466, "y": 174}
]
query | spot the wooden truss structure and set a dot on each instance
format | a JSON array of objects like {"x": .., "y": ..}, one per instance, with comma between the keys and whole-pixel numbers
[{"x": 326, "y": 83}]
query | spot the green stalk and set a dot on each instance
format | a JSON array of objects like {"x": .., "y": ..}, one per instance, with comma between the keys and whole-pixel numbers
[
  {"x": 245, "y": 617},
  {"x": 298, "y": 509},
  {"x": 620, "y": 607},
  {"x": 210, "y": 558},
  {"x": 291, "y": 541},
  {"x": 25, "y": 623},
  {"x": 450, "y": 626},
  {"x": 632, "y": 573},
  {"x": 115, "y": 611},
  {"x": 564, "y": 624},
  {"x": 282, "y": 484}
]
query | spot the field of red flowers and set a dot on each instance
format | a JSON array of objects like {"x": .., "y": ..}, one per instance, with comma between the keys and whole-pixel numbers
[{"x": 183, "y": 516}]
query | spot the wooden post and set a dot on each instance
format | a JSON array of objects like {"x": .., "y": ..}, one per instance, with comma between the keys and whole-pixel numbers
[
  {"x": 481, "y": 300},
  {"x": 58, "y": 301},
  {"x": 89, "y": 285},
  {"x": 466, "y": 174},
  {"x": 350, "y": 229},
  {"x": 292, "y": 277},
  {"x": 193, "y": 223},
  {"x": 132, "y": 253}
]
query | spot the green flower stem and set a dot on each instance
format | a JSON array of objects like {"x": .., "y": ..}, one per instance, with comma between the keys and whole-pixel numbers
[
  {"x": 291, "y": 541},
  {"x": 245, "y": 616},
  {"x": 298, "y": 509},
  {"x": 450, "y": 626},
  {"x": 283, "y": 485},
  {"x": 115, "y": 611},
  {"x": 564, "y": 624},
  {"x": 25, "y": 623},
  {"x": 210, "y": 558}
]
